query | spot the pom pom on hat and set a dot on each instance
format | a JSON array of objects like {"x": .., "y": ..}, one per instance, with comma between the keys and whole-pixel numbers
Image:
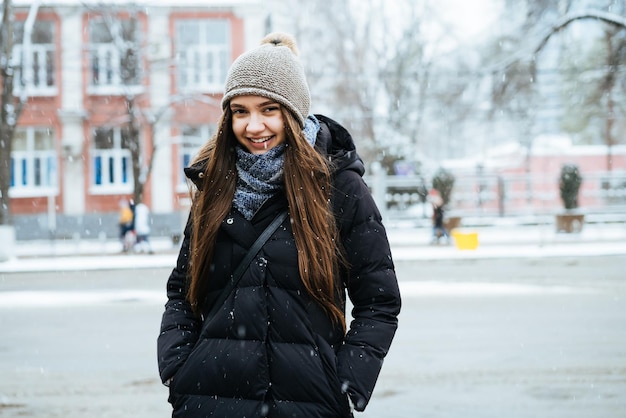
[
  {"x": 281, "y": 39},
  {"x": 271, "y": 70}
]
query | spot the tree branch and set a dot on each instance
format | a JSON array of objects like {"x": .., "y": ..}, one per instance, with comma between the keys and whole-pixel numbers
[{"x": 562, "y": 23}]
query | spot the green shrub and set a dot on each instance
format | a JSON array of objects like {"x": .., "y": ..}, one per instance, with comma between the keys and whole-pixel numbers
[
  {"x": 443, "y": 182},
  {"x": 569, "y": 185}
]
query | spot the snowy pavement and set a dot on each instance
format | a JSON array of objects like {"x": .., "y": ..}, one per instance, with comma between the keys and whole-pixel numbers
[
  {"x": 407, "y": 242},
  {"x": 478, "y": 338},
  {"x": 524, "y": 325}
]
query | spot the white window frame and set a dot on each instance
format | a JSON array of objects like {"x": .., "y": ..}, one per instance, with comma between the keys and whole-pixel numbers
[
  {"x": 27, "y": 55},
  {"x": 109, "y": 68},
  {"x": 115, "y": 167},
  {"x": 203, "y": 65},
  {"x": 107, "y": 56},
  {"x": 34, "y": 172}
]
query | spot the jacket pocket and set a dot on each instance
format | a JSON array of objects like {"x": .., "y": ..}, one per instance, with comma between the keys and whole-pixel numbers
[
  {"x": 329, "y": 364},
  {"x": 184, "y": 375}
]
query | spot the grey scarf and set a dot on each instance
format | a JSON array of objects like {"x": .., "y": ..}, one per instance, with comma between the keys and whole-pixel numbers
[{"x": 260, "y": 176}]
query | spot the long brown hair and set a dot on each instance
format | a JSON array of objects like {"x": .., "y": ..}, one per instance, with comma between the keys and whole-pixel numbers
[{"x": 307, "y": 178}]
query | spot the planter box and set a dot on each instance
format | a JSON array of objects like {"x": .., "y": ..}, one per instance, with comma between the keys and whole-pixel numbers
[
  {"x": 569, "y": 222},
  {"x": 7, "y": 238},
  {"x": 451, "y": 223}
]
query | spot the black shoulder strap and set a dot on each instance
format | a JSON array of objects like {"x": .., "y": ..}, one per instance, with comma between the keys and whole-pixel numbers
[{"x": 245, "y": 263}]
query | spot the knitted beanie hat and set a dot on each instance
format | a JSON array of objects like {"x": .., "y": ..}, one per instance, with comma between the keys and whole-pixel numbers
[{"x": 271, "y": 70}]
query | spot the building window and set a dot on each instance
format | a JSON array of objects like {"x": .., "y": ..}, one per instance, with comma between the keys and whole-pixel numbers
[
  {"x": 33, "y": 163},
  {"x": 113, "y": 56},
  {"x": 33, "y": 60},
  {"x": 193, "y": 137},
  {"x": 203, "y": 54},
  {"x": 111, "y": 161}
]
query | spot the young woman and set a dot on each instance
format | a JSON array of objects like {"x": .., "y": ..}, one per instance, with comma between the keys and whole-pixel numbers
[{"x": 276, "y": 344}]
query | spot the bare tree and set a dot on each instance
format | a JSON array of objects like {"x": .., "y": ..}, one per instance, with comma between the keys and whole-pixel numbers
[
  {"x": 7, "y": 115},
  {"x": 11, "y": 106},
  {"x": 515, "y": 73},
  {"x": 407, "y": 78},
  {"x": 513, "y": 68},
  {"x": 601, "y": 105},
  {"x": 342, "y": 65},
  {"x": 138, "y": 121},
  {"x": 375, "y": 73},
  {"x": 615, "y": 57},
  {"x": 400, "y": 98},
  {"x": 124, "y": 33}
]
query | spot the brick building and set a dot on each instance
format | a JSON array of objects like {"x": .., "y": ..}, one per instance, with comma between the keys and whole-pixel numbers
[{"x": 79, "y": 66}]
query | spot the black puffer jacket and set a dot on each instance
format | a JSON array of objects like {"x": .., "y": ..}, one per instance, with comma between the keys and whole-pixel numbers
[{"x": 271, "y": 351}]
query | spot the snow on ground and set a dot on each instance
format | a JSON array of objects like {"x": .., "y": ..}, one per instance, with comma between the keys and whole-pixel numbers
[
  {"x": 504, "y": 241},
  {"x": 25, "y": 299}
]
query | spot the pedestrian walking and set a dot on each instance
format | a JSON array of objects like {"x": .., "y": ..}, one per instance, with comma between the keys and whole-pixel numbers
[
  {"x": 126, "y": 221},
  {"x": 281, "y": 228},
  {"x": 142, "y": 229}
]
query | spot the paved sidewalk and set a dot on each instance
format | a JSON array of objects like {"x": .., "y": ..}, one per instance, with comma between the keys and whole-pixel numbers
[{"x": 407, "y": 242}]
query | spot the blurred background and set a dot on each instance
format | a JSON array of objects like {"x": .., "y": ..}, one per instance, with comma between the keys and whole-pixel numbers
[{"x": 488, "y": 101}]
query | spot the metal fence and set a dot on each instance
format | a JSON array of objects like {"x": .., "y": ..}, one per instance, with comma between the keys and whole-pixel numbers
[{"x": 500, "y": 195}]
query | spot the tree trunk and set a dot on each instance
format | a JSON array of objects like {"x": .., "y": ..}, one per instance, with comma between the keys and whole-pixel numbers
[
  {"x": 135, "y": 151},
  {"x": 7, "y": 113},
  {"x": 609, "y": 85}
]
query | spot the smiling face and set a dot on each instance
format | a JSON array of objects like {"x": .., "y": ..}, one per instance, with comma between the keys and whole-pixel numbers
[{"x": 257, "y": 123}]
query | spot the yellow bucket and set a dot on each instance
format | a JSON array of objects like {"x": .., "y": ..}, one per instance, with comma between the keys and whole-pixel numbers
[{"x": 465, "y": 240}]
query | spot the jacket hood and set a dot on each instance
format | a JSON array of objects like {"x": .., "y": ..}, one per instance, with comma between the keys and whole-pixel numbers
[
  {"x": 333, "y": 140},
  {"x": 337, "y": 143},
  {"x": 195, "y": 173}
]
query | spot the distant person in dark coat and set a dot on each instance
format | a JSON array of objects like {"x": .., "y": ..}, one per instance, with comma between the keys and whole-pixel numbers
[
  {"x": 439, "y": 229},
  {"x": 279, "y": 345}
]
